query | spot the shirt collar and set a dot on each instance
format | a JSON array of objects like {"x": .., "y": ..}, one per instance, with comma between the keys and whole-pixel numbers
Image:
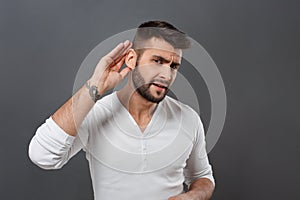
[{"x": 128, "y": 125}]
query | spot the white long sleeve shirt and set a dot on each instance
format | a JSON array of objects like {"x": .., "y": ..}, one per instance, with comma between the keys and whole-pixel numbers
[{"x": 124, "y": 162}]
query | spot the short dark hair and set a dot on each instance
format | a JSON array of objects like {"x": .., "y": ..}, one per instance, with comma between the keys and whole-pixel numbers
[{"x": 162, "y": 30}]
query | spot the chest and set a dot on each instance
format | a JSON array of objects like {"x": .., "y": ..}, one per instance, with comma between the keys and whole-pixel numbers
[{"x": 139, "y": 153}]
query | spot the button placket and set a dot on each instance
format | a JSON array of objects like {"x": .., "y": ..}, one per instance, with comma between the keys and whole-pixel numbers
[{"x": 144, "y": 153}]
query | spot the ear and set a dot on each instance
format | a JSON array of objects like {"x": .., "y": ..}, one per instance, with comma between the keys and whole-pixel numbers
[{"x": 131, "y": 58}]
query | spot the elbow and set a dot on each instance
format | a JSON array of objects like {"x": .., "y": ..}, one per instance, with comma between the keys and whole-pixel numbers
[{"x": 43, "y": 159}]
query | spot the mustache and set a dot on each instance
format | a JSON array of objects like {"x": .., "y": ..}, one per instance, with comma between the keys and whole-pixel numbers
[{"x": 161, "y": 82}]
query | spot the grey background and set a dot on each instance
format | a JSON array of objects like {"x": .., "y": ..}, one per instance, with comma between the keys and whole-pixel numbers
[{"x": 255, "y": 45}]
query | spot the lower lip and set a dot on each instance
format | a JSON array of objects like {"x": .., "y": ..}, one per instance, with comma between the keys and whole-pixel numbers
[{"x": 159, "y": 88}]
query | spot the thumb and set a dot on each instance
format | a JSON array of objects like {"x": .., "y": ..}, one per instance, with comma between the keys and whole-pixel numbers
[{"x": 124, "y": 72}]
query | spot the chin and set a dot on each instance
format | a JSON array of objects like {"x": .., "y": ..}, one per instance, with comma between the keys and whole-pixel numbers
[
  {"x": 156, "y": 98},
  {"x": 151, "y": 95}
]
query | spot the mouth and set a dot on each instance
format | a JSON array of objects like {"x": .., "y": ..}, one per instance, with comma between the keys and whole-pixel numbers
[{"x": 160, "y": 85}]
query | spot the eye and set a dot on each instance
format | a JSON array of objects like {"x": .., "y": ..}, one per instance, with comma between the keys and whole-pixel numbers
[
  {"x": 159, "y": 61},
  {"x": 174, "y": 66}
]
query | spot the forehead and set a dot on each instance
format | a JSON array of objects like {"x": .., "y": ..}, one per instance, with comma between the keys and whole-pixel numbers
[{"x": 159, "y": 47}]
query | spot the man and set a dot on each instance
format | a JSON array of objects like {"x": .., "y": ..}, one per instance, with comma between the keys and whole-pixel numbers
[{"x": 140, "y": 143}]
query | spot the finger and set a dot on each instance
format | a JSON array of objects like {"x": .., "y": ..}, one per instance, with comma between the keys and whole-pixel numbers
[
  {"x": 127, "y": 44},
  {"x": 119, "y": 63},
  {"x": 124, "y": 72},
  {"x": 110, "y": 62},
  {"x": 121, "y": 56},
  {"x": 115, "y": 52},
  {"x": 115, "y": 65},
  {"x": 123, "y": 52},
  {"x": 113, "y": 57},
  {"x": 119, "y": 49}
]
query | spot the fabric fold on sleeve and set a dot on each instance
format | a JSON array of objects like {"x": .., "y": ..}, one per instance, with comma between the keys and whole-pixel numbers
[
  {"x": 50, "y": 146},
  {"x": 198, "y": 165}
]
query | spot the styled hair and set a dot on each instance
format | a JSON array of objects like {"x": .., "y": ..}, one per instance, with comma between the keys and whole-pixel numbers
[{"x": 162, "y": 30}]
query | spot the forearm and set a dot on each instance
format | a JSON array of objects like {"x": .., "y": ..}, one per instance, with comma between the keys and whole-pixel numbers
[
  {"x": 201, "y": 189},
  {"x": 70, "y": 115},
  {"x": 54, "y": 142},
  {"x": 51, "y": 147},
  {"x": 107, "y": 75}
]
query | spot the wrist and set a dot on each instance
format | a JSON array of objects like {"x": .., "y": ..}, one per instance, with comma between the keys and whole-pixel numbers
[{"x": 93, "y": 90}]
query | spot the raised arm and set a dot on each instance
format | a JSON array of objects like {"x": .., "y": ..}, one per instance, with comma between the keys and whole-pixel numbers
[
  {"x": 107, "y": 75},
  {"x": 55, "y": 141}
]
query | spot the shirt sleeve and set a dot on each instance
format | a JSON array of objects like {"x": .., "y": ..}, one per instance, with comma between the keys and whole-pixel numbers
[
  {"x": 51, "y": 147},
  {"x": 198, "y": 165}
]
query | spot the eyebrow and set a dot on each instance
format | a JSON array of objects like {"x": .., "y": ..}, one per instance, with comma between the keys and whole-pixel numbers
[{"x": 164, "y": 60}]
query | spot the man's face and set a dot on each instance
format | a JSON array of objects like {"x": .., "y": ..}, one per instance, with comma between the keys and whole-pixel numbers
[{"x": 156, "y": 69}]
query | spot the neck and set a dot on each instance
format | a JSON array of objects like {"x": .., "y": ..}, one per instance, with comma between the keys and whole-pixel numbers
[
  {"x": 140, "y": 109},
  {"x": 137, "y": 105}
]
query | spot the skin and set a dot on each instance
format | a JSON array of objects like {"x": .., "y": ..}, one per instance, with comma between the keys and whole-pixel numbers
[
  {"x": 158, "y": 64},
  {"x": 107, "y": 75},
  {"x": 200, "y": 189},
  {"x": 154, "y": 66}
]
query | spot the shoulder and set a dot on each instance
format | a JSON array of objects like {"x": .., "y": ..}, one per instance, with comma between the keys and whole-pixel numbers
[
  {"x": 105, "y": 101},
  {"x": 177, "y": 107},
  {"x": 101, "y": 110},
  {"x": 182, "y": 113},
  {"x": 188, "y": 119}
]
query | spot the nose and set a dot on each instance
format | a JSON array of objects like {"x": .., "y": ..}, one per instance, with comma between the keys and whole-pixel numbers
[{"x": 165, "y": 72}]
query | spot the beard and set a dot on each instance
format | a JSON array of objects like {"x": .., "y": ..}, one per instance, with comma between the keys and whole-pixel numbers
[{"x": 143, "y": 88}]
